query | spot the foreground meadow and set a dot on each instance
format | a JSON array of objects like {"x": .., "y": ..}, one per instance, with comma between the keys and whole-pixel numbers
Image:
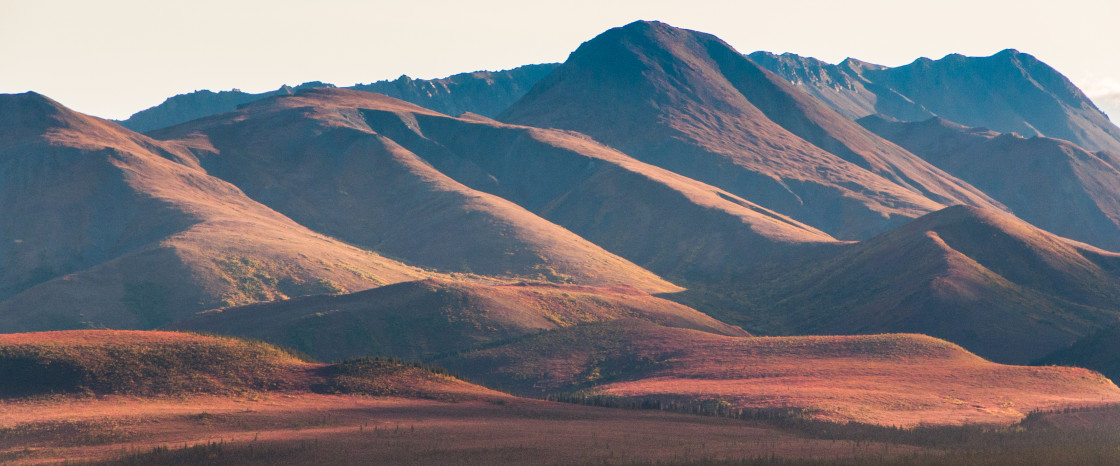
[{"x": 130, "y": 397}]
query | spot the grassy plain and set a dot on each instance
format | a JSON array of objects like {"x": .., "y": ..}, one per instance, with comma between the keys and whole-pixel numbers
[
  {"x": 327, "y": 429},
  {"x": 893, "y": 379}
]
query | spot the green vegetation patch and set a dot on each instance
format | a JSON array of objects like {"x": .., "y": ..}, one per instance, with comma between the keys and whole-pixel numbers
[
  {"x": 254, "y": 281},
  {"x": 251, "y": 280}
]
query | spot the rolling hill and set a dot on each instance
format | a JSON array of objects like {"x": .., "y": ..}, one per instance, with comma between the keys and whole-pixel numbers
[
  {"x": 883, "y": 379},
  {"x": 688, "y": 102},
  {"x": 539, "y": 186},
  {"x": 105, "y": 227},
  {"x": 985, "y": 280},
  {"x": 611, "y": 233},
  {"x": 1009, "y": 91},
  {"x": 1051, "y": 183},
  {"x": 163, "y": 397},
  {"x": 150, "y": 364},
  {"x": 418, "y": 320},
  {"x": 316, "y": 158}
]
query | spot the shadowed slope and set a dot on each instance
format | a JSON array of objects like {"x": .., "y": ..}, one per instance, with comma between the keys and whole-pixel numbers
[
  {"x": 482, "y": 92},
  {"x": 1051, "y": 183},
  {"x": 841, "y": 86},
  {"x": 808, "y": 118},
  {"x": 885, "y": 379},
  {"x": 416, "y": 320},
  {"x": 684, "y": 101},
  {"x": 200, "y": 104},
  {"x": 1007, "y": 92},
  {"x": 315, "y": 158},
  {"x": 1099, "y": 351},
  {"x": 486, "y": 93},
  {"x": 985, "y": 280},
  {"x": 665, "y": 222},
  {"x": 102, "y": 226},
  {"x": 139, "y": 363},
  {"x": 675, "y": 226}
]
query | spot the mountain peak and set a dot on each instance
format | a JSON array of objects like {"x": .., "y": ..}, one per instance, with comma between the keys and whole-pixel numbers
[
  {"x": 859, "y": 65},
  {"x": 922, "y": 61},
  {"x": 1009, "y": 91},
  {"x": 33, "y": 115},
  {"x": 650, "y": 32},
  {"x": 28, "y": 106},
  {"x": 29, "y": 95},
  {"x": 985, "y": 229},
  {"x": 955, "y": 217},
  {"x": 644, "y": 25},
  {"x": 713, "y": 108},
  {"x": 961, "y": 213}
]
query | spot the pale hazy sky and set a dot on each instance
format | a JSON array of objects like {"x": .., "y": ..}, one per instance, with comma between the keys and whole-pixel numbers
[{"x": 113, "y": 58}]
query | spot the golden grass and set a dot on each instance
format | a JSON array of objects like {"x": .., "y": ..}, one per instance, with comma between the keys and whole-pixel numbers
[
  {"x": 315, "y": 428},
  {"x": 104, "y": 362},
  {"x": 414, "y": 415},
  {"x": 76, "y": 338},
  {"x": 882, "y": 379}
]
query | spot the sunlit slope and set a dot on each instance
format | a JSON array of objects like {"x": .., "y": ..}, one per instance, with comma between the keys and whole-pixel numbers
[
  {"x": 897, "y": 379},
  {"x": 103, "y": 226},
  {"x": 151, "y": 363},
  {"x": 677, "y": 227},
  {"x": 315, "y": 158}
]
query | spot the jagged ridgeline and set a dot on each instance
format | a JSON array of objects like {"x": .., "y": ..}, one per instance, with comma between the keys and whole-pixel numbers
[{"x": 485, "y": 93}]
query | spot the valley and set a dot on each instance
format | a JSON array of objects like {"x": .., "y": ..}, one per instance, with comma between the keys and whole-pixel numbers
[{"x": 661, "y": 250}]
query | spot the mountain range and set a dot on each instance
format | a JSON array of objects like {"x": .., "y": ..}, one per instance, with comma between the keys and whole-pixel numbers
[
  {"x": 485, "y": 93},
  {"x": 611, "y": 224},
  {"x": 138, "y": 236},
  {"x": 1009, "y": 92}
]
